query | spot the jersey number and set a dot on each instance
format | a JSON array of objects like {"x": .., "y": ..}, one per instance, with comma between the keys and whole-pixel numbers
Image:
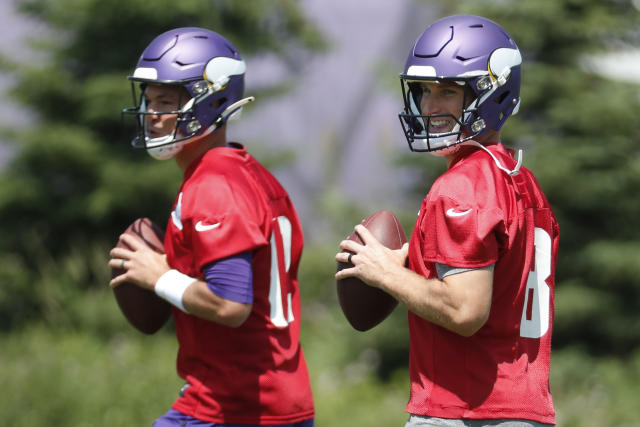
[
  {"x": 279, "y": 295},
  {"x": 535, "y": 314}
]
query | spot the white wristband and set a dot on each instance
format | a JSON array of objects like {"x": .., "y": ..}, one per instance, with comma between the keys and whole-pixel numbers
[{"x": 171, "y": 287}]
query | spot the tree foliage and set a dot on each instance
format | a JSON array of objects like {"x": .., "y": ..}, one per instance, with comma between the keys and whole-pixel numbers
[{"x": 75, "y": 183}]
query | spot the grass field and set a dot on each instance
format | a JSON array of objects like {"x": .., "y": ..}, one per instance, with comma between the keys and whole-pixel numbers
[{"x": 80, "y": 379}]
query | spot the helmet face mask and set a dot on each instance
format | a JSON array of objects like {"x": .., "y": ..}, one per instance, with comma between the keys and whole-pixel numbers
[
  {"x": 171, "y": 141},
  {"x": 470, "y": 51},
  {"x": 415, "y": 124},
  {"x": 209, "y": 72}
]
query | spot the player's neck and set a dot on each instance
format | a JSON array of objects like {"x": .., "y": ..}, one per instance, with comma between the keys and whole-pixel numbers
[
  {"x": 489, "y": 138},
  {"x": 196, "y": 148}
]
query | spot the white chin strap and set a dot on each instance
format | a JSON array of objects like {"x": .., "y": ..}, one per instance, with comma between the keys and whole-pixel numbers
[
  {"x": 233, "y": 111},
  {"x": 450, "y": 146},
  {"x": 512, "y": 172}
]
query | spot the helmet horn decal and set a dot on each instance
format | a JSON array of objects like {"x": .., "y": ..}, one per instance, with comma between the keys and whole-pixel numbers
[
  {"x": 501, "y": 62},
  {"x": 219, "y": 70}
]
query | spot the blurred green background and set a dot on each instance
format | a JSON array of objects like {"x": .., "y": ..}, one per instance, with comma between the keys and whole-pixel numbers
[{"x": 72, "y": 184}]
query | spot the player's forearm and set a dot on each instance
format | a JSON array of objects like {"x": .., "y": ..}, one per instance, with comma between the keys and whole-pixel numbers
[
  {"x": 436, "y": 301},
  {"x": 201, "y": 302}
]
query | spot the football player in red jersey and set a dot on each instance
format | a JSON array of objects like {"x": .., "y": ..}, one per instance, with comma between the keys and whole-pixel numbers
[
  {"x": 233, "y": 244},
  {"x": 482, "y": 256}
]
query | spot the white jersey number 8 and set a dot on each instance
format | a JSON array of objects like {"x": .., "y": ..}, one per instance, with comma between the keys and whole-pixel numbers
[{"x": 535, "y": 314}]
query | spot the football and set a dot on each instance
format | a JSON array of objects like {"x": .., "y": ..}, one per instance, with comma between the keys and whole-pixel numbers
[
  {"x": 146, "y": 311},
  {"x": 365, "y": 306}
]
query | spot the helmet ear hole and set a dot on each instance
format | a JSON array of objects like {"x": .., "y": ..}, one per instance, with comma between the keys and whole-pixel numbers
[
  {"x": 501, "y": 98},
  {"x": 218, "y": 103},
  {"x": 503, "y": 114}
]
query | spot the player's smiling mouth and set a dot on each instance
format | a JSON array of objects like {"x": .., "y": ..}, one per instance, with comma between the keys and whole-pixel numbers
[{"x": 439, "y": 126}]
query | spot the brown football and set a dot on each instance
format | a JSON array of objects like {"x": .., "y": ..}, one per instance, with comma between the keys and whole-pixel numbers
[
  {"x": 365, "y": 306},
  {"x": 146, "y": 311}
]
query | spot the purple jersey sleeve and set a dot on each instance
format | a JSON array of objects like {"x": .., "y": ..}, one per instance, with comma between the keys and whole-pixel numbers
[{"x": 231, "y": 278}]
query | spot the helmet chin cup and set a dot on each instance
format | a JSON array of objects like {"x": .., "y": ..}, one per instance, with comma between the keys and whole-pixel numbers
[
  {"x": 439, "y": 144},
  {"x": 162, "y": 148},
  {"x": 166, "y": 152}
]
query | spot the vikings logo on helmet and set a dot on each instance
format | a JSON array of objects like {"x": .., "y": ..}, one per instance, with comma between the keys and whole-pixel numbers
[
  {"x": 211, "y": 71},
  {"x": 470, "y": 51}
]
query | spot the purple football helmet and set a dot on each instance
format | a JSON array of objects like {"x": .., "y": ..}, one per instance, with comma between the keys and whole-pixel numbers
[
  {"x": 204, "y": 63},
  {"x": 474, "y": 53}
]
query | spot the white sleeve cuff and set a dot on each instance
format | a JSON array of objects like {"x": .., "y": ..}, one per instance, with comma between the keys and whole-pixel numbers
[{"x": 171, "y": 287}]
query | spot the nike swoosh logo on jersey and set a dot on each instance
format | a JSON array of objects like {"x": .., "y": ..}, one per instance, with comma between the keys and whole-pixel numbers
[
  {"x": 200, "y": 226},
  {"x": 454, "y": 213}
]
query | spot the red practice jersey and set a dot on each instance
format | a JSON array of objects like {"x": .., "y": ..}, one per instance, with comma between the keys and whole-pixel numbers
[
  {"x": 255, "y": 374},
  {"x": 476, "y": 215}
]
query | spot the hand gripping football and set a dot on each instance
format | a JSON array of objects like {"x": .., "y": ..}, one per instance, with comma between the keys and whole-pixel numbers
[
  {"x": 365, "y": 306},
  {"x": 146, "y": 311}
]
